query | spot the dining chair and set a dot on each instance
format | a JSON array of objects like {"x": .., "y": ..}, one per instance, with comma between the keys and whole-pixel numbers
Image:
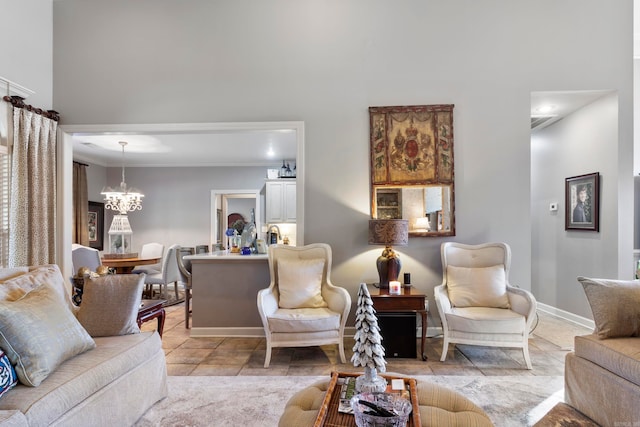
[
  {"x": 185, "y": 268},
  {"x": 202, "y": 249},
  {"x": 84, "y": 256},
  {"x": 170, "y": 274},
  {"x": 150, "y": 250}
]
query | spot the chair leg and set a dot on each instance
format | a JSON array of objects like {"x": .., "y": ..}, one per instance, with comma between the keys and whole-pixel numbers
[
  {"x": 175, "y": 287},
  {"x": 445, "y": 349},
  {"x": 187, "y": 298},
  {"x": 267, "y": 357},
  {"x": 341, "y": 348},
  {"x": 527, "y": 359}
]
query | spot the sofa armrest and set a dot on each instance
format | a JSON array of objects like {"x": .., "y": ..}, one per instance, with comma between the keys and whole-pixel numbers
[{"x": 12, "y": 418}]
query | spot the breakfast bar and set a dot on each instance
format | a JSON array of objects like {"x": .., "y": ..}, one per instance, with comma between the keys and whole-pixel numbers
[{"x": 225, "y": 288}]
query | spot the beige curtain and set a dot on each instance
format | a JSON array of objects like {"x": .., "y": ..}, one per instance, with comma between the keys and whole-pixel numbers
[
  {"x": 80, "y": 205},
  {"x": 32, "y": 206}
]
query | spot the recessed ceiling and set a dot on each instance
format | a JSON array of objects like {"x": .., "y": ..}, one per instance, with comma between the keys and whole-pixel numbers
[{"x": 192, "y": 149}]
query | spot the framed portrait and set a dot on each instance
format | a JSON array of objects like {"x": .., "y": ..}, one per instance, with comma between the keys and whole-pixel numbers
[
  {"x": 95, "y": 223},
  {"x": 582, "y": 204}
]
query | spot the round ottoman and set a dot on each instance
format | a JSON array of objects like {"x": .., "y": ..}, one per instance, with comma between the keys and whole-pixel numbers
[{"x": 438, "y": 405}]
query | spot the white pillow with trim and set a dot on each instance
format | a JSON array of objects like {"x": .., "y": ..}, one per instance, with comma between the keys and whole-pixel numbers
[
  {"x": 300, "y": 283},
  {"x": 477, "y": 287}
]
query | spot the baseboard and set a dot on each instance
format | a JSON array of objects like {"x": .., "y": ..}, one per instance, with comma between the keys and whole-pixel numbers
[{"x": 565, "y": 315}]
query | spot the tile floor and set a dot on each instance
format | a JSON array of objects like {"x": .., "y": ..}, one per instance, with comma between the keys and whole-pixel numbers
[{"x": 550, "y": 342}]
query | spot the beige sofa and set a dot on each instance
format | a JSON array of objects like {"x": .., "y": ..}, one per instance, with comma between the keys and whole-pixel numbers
[
  {"x": 112, "y": 383},
  {"x": 602, "y": 374},
  {"x": 602, "y": 379}
]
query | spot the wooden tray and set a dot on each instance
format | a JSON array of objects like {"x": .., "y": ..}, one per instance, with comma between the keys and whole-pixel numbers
[{"x": 328, "y": 415}]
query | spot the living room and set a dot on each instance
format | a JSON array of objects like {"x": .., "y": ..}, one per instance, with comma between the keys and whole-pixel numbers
[{"x": 325, "y": 63}]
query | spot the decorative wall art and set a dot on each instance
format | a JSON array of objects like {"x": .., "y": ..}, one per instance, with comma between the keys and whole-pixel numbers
[
  {"x": 411, "y": 151},
  {"x": 582, "y": 202},
  {"x": 96, "y": 225}
]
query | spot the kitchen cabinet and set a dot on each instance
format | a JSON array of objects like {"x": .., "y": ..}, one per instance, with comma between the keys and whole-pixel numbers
[{"x": 280, "y": 197}]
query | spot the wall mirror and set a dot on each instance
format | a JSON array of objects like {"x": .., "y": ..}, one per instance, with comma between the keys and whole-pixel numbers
[{"x": 412, "y": 170}]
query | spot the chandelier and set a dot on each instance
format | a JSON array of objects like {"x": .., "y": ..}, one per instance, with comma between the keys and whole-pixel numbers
[{"x": 122, "y": 199}]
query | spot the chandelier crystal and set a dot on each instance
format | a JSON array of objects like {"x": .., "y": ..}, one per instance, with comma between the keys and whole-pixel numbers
[{"x": 123, "y": 199}]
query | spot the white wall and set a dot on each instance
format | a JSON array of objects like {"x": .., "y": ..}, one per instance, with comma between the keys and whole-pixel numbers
[
  {"x": 579, "y": 144},
  {"x": 326, "y": 62},
  {"x": 26, "y": 57}
]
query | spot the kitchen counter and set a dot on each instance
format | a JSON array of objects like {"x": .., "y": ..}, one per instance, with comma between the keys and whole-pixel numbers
[{"x": 225, "y": 289}]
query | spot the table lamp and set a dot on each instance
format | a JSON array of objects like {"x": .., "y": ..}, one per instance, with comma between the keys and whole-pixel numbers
[{"x": 388, "y": 232}]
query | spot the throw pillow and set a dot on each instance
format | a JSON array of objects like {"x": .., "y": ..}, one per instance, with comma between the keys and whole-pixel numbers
[
  {"x": 8, "y": 377},
  {"x": 477, "y": 287},
  {"x": 16, "y": 287},
  {"x": 300, "y": 283},
  {"x": 110, "y": 304},
  {"x": 615, "y": 305},
  {"x": 39, "y": 332}
]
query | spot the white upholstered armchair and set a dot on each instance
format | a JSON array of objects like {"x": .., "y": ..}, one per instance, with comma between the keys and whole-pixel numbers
[
  {"x": 476, "y": 303},
  {"x": 301, "y": 307}
]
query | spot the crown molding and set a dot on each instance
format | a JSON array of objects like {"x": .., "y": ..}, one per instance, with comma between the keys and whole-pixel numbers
[{"x": 14, "y": 89}]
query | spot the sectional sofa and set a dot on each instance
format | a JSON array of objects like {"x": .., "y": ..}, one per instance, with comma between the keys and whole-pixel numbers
[{"x": 87, "y": 366}]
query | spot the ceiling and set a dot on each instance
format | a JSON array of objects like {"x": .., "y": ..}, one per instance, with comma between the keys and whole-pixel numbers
[
  {"x": 192, "y": 149},
  {"x": 560, "y": 104}
]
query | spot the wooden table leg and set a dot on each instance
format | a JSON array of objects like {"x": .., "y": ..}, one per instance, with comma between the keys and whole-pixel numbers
[
  {"x": 424, "y": 333},
  {"x": 154, "y": 311}
]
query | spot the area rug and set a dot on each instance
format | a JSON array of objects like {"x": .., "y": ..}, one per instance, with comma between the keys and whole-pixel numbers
[{"x": 259, "y": 400}]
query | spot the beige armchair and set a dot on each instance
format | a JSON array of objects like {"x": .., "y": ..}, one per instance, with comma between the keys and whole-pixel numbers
[
  {"x": 476, "y": 303},
  {"x": 301, "y": 307}
]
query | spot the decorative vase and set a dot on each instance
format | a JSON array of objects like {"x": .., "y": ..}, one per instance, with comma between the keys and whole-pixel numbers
[
  {"x": 370, "y": 382},
  {"x": 388, "y": 269}
]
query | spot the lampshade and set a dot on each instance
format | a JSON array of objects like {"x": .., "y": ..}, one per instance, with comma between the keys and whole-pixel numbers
[
  {"x": 422, "y": 223},
  {"x": 388, "y": 232},
  {"x": 122, "y": 199}
]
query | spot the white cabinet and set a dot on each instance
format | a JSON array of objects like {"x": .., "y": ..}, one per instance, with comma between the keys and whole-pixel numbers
[{"x": 280, "y": 197}]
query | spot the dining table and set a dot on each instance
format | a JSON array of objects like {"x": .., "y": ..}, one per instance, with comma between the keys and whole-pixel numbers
[{"x": 126, "y": 265}]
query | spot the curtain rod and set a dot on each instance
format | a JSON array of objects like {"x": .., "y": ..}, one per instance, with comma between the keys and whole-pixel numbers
[
  {"x": 18, "y": 102},
  {"x": 81, "y": 164}
]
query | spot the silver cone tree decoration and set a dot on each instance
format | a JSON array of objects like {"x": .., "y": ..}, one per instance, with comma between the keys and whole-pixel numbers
[{"x": 368, "y": 351}]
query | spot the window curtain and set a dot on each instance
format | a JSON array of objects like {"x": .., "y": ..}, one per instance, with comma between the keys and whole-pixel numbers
[
  {"x": 32, "y": 206},
  {"x": 80, "y": 205}
]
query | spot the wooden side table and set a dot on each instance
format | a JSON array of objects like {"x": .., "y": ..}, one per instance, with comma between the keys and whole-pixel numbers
[
  {"x": 409, "y": 301},
  {"x": 152, "y": 309}
]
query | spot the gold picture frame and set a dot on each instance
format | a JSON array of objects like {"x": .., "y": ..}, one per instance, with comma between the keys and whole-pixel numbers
[{"x": 411, "y": 151}]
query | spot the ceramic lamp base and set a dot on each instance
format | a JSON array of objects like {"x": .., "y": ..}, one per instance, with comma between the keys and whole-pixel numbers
[{"x": 388, "y": 270}]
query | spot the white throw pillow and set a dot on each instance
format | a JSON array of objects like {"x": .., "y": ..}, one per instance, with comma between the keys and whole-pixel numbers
[
  {"x": 477, "y": 287},
  {"x": 300, "y": 282}
]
